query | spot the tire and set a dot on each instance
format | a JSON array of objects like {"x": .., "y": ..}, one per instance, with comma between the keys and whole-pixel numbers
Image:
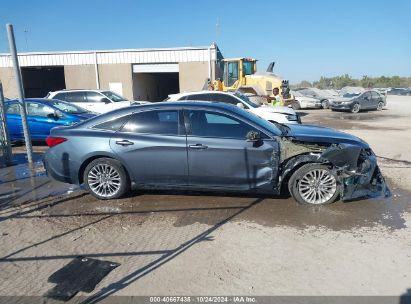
[
  {"x": 325, "y": 104},
  {"x": 380, "y": 106},
  {"x": 356, "y": 108},
  {"x": 308, "y": 190},
  {"x": 296, "y": 105},
  {"x": 115, "y": 181}
]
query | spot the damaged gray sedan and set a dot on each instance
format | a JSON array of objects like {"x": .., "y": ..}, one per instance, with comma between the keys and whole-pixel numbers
[{"x": 211, "y": 147}]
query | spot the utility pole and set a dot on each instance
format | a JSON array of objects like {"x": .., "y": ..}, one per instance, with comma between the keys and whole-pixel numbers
[
  {"x": 5, "y": 137},
  {"x": 19, "y": 83}
]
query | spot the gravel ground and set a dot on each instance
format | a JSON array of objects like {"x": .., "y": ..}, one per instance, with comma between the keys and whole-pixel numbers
[{"x": 196, "y": 244}]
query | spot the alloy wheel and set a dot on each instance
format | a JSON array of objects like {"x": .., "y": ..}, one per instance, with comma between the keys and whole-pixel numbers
[
  {"x": 317, "y": 186},
  {"x": 104, "y": 180}
]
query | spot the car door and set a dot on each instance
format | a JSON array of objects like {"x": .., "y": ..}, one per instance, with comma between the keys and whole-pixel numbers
[
  {"x": 41, "y": 120},
  {"x": 14, "y": 123},
  {"x": 366, "y": 101},
  {"x": 152, "y": 143},
  {"x": 219, "y": 156}
]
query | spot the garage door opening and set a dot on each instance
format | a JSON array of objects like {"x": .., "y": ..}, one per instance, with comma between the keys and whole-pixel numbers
[
  {"x": 38, "y": 81},
  {"x": 155, "y": 86}
]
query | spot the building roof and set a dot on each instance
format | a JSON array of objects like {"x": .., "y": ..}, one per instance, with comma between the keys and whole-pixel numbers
[{"x": 136, "y": 56}]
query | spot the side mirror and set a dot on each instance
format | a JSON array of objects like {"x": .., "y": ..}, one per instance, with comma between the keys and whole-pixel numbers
[
  {"x": 253, "y": 136},
  {"x": 53, "y": 116},
  {"x": 240, "y": 105},
  {"x": 105, "y": 100}
]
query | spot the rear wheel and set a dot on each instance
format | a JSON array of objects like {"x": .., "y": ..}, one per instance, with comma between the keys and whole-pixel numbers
[
  {"x": 314, "y": 184},
  {"x": 355, "y": 108},
  {"x": 106, "y": 178},
  {"x": 325, "y": 104},
  {"x": 380, "y": 106}
]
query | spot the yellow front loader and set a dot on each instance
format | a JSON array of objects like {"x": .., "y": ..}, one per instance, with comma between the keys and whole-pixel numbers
[{"x": 240, "y": 74}]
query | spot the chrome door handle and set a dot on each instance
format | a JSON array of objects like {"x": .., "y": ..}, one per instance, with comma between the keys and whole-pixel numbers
[
  {"x": 124, "y": 142},
  {"x": 198, "y": 146}
]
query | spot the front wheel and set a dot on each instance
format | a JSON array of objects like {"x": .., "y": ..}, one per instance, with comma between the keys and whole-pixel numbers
[
  {"x": 355, "y": 108},
  {"x": 325, "y": 104},
  {"x": 314, "y": 184},
  {"x": 106, "y": 178},
  {"x": 380, "y": 106}
]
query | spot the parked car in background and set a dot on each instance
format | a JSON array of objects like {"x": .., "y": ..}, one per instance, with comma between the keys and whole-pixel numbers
[
  {"x": 278, "y": 114},
  {"x": 99, "y": 101},
  {"x": 355, "y": 102},
  {"x": 399, "y": 91},
  {"x": 324, "y": 96},
  {"x": 42, "y": 115},
  {"x": 304, "y": 102},
  {"x": 210, "y": 146}
]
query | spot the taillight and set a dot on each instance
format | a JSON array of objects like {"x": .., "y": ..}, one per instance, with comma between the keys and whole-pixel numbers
[{"x": 54, "y": 141}]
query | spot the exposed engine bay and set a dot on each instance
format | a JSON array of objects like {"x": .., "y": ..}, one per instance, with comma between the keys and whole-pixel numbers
[{"x": 355, "y": 167}]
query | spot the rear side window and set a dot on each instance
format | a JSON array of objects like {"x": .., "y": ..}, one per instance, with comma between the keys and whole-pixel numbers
[
  {"x": 198, "y": 97},
  {"x": 71, "y": 96},
  {"x": 224, "y": 98},
  {"x": 163, "y": 122},
  {"x": 113, "y": 125}
]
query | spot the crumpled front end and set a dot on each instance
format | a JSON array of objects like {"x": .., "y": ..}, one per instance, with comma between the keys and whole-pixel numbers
[{"x": 357, "y": 170}]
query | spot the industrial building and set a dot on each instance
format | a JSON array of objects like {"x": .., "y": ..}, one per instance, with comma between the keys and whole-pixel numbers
[{"x": 137, "y": 74}]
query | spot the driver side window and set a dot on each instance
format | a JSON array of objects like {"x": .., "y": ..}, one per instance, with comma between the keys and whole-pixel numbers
[
  {"x": 38, "y": 109},
  {"x": 213, "y": 124}
]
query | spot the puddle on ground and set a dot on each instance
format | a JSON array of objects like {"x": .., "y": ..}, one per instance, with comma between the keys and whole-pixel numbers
[
  {"x": 184, "y": 210},
  {"x": 20, "y": 184}
]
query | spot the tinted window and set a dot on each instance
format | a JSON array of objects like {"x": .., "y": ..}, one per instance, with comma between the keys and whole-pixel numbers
[
  {"x": 113, "y": 125},
  {"x": 38, "y": 109},
  {"x": 212, "y": 124},
  {"x": 225, "y": 98},
  {"x": 153, "y": 122},
  {"x": 375, "y": 95},
  {"x": 198, "y": 97},
  {"x": 71, "y": 96},
  {"x": 366, "y": 95},
  {"x": 94, "y": 97}
]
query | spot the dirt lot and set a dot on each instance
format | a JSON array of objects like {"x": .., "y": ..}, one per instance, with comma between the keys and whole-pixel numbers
[{"x": 196, "y": 244}]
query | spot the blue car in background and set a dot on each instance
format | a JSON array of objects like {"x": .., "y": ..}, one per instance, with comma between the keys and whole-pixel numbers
[{"x": 42, "y": 115}]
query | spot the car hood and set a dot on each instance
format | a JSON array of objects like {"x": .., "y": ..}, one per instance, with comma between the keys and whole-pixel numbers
[
  {"x": 275, "y": 109},
  {"x": 318, "y": 134}
]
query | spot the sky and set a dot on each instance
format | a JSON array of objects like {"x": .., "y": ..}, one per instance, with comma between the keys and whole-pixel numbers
[{"x": 306, "y": 39}]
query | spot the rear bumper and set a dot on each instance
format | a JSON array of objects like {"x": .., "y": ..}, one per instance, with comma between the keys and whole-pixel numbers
[{"x": 59, "y": 169}]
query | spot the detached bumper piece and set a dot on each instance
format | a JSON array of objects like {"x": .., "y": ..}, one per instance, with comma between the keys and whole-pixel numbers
[{"x": 358, "y": 172}]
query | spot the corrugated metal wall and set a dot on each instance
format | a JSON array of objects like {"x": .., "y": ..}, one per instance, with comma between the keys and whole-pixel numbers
[{"x": 112, "y": 57}]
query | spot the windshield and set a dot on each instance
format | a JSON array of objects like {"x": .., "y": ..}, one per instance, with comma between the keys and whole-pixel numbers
[
  {"x": 351, "y": 95},
  {"x": 68, "y": 108},
  {"x": 246, "y": 100},
  {"x": 113, "y": 96}
]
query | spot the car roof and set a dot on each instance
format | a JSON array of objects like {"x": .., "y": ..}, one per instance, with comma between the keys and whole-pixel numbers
[
  {"x": 78, "y": 90},
  {"x": 41, "y": 100},
  {"x": 200, "y": 92}
]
